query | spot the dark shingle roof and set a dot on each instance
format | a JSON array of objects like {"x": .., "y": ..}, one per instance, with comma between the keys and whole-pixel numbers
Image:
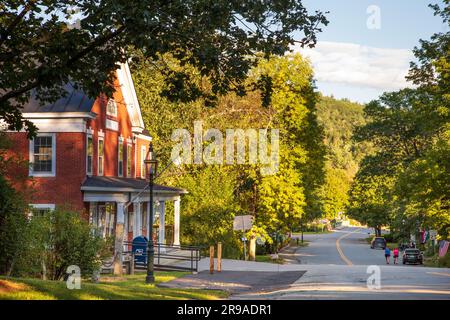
[
  {"x": 74, "y": 101},
  {"x": 124, "y": 184}
]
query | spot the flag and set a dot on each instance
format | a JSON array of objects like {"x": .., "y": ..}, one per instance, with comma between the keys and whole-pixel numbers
[
  {"x": 443, "y": 247},
  {"x": 424, "y": 236}
]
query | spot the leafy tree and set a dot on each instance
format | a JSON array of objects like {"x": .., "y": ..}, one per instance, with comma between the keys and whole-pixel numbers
[
  {"x": 370, "y": 198},
  {"x": 13, "y": 226},
  {"x": 13, "y": 219},
  {"x": 402, "y": 125},
  {"x": 431, "y": 70},
  {"x": 40, "y": 50},
  {"x": 410, "y": 131},
  {"x": 209, "y": 208},
  {"x": 277, "y": 202},
  {"x": 335, "y": 192},
  {"x": 423, "y": 188},
  {"x": 291, "y": 196}
]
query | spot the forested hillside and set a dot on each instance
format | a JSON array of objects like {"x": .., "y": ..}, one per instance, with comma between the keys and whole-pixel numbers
[{"x": 339, "y": 119}]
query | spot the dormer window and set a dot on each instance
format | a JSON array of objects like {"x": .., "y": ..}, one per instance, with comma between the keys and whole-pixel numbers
[{"x": 111, "y": 108}]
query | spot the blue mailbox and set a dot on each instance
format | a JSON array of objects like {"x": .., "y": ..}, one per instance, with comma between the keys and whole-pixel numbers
[{"x": 139, "y": 248}]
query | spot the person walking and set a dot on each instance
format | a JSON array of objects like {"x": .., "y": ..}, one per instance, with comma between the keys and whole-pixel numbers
[
  {"x": 396, "y": 256},
  {"x": 387, "y": 254}
]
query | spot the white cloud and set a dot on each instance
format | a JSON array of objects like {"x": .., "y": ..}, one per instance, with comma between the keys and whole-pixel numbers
[{"x": 357, "y": 65}]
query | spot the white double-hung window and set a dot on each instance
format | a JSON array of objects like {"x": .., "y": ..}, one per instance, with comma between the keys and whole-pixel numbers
[
  {"x": 101, "y": 156},
  {"x": 120, "y": 157},
  {"x": 129, "y": 158},
  {"x": 89, "y": 154},
  {"x": 143, "y": 155},
  {"x": 43, "y": 155}
]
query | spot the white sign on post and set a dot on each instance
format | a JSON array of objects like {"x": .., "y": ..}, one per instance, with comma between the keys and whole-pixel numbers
[
  {"x": 243, "y": 223},
  {"x": 433, "y": 234}
]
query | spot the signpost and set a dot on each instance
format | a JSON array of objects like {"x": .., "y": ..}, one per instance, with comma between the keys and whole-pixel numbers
[
  {"x": 433, "y": 235},
  {"x": 243, "y": 223}
]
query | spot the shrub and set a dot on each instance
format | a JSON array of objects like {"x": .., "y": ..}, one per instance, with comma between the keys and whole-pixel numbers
[
  {"x": 13, "y": 224},
  {"x": 444, "y": 261},
  {"x": 58, "y": 239}
]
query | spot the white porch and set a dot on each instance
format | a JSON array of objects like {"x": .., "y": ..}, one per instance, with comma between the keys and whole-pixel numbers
[
  {"x": 120, "y": 207},
  {"x": 109, "y": 212}
]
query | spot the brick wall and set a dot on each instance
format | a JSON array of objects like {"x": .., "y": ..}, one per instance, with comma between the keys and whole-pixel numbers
[{"x": 64, "y": 188}]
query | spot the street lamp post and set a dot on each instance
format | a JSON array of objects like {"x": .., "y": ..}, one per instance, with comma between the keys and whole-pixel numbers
[{"x": 151, "y": 165}]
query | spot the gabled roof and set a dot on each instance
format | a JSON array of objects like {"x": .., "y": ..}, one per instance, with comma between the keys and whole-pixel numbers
[
  {"x": 73, "y": 101},
  {"x": 112, "y": 184},
  {"x": 78, "y": 101}
]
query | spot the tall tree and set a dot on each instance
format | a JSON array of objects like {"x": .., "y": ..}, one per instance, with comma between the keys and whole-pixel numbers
[
  {"x": 45, "y": 44},
  {"x": 410, "y": 130},
  {"x": 291, "y": 196}
]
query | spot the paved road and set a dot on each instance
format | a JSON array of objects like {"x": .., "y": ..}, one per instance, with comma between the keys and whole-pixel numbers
[
  {"x": 333, "y": 266},
  {"x": 352, "y": 247}
]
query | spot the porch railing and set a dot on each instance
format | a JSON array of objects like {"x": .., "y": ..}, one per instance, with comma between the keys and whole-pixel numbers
[{"x": 167, "y": 257}]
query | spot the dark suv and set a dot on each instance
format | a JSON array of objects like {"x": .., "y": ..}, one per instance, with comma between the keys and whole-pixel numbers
[
  {"x": 412, "y": 256},
  {"x": 378, "y": 243}
]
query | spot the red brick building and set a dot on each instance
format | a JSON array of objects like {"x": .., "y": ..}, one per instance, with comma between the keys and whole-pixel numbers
[{"x": 89, "y": 154}]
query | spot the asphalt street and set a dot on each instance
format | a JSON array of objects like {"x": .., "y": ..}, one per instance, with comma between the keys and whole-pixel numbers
[
  {"x": 337, "y": 265},
  {"x": 322, "y": 248}
]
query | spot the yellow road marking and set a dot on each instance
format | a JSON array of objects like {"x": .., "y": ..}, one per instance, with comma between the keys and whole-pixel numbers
[
  {"x": 338, "y": 247},
  {"x": 440, "y": 274}
]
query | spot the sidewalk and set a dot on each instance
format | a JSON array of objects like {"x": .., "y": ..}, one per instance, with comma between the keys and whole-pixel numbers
[{"x": 289, "y": 254}]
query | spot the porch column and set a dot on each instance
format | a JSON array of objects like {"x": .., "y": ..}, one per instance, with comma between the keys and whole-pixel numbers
[
  {"x": 176, "y": 222},
  {"x": 137, "y": 219},
  {"x": 162, "y": 222},
  {"x": 118, "y": 242}
]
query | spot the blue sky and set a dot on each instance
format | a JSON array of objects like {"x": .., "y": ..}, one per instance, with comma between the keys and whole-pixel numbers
[{"x": 355, "y": 62}]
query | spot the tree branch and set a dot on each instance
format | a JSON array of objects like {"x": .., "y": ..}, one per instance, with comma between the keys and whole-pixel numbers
[
  {"x": 16, "y": 21},
  {"x": 97, "y": 42}
]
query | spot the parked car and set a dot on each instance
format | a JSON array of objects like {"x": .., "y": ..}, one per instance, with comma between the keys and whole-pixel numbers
[
  {"x": 412, "y": 256},
  {"x": 378, "y": 243}
]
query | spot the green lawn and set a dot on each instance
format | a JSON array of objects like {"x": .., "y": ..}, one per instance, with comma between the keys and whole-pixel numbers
[{"x": 109, "y": 288}]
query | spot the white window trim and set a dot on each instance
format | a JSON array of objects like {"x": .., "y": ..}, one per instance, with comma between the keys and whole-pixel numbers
[
  {"x": 143, "y": 154},
  {"x": 120, "y": 146},
  {"x": 50, "y": 206},
  {"x": 31, "y": 157},
  {"x": 90, "y": 131},
  {"x": 98, "y": 156},
  {"x": 89, "y": 135},
  {"x": 115, "y": 109},
  {"x": 135, "y": 159}
]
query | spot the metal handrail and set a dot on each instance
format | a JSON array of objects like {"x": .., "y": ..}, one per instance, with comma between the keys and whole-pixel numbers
[{"x": 193, "y": 255}]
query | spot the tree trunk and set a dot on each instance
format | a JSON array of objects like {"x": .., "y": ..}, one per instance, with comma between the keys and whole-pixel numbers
[
  {"x": 377, "y": 231},
  {"x": 252, "y": 249},
  {"x": 10, "y": 269},
  {"x": 44, "y": 270}
]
